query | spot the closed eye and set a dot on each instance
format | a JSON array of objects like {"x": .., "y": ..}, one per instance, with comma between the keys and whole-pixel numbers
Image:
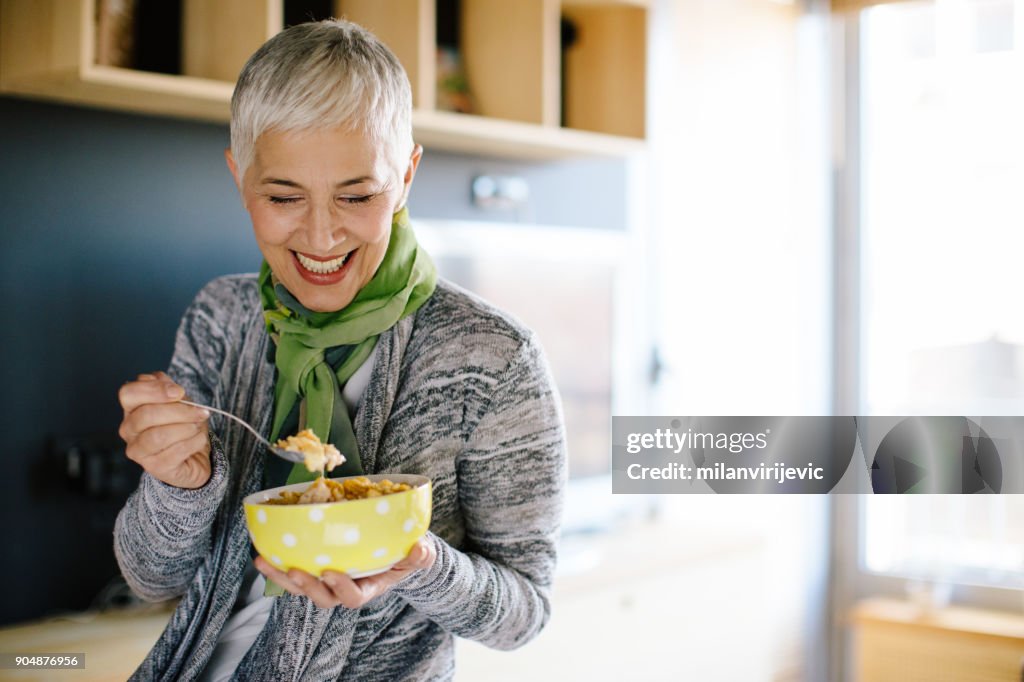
[
  {"x": 283, "y": 200},
  {"x": 357, "y": 200}
]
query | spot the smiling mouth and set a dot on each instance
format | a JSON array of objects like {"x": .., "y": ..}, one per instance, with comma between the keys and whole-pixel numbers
[{"x": 322, "y": 267}]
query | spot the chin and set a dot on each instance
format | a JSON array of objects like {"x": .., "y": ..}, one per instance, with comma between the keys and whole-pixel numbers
[{"x": 323, "y": 304}]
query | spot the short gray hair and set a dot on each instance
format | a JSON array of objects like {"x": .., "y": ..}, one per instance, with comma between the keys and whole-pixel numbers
[{"x": 317, "y": 75}]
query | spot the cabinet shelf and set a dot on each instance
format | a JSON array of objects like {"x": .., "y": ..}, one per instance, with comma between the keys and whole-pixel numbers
[
  {"x": 482, "y": 135},
  {"x": 110, "y": 87},
  {"x": 47, "y": 51}
]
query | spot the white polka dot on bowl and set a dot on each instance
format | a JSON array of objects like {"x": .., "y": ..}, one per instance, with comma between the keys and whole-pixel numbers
[
  {"x": 380, "y": 553},
  {"x": 352, "y": 535},
  {"x": 382, "y": 507},
  {"x": 289, "y": 540},
  {"x": 323, "y": 559},
  {"x": 261, "y": 515},
  {"x": 316, "y": 515},
  {"x": 408, "y": 525},
  {"x": 276, "y": 560}
]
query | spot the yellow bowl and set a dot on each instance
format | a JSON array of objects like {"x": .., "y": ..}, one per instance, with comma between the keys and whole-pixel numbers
[{"x": 357, "y": 537}]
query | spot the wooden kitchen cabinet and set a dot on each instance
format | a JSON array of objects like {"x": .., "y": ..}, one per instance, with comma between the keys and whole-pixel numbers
[
  {"x": 512, "y": 56},
  {"x": 896, "y": 642}
]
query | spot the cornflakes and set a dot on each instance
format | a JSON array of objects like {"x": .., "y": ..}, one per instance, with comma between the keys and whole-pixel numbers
[
  {"x": 319, "y": 456},
  {"x": 330, "y": 490}
]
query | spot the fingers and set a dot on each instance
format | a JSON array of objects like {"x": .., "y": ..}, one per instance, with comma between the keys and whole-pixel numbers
[
  {"x": 299, "y": 583},
  {"x": 169, "y": 457},
  {"x": 156, "y": 388},
  {"x": 350, "y": 593},
  {"x": 422, "y": 555},
  {"x": 317, "y": 590},
  {"x": 149, "y": 401},
  {"x": 169, "y": 440},
  {"x": 354, "y": 593},
  {"x": 153, "y": 415},
  {"x": 277, "y": 575},
  {"x": 337, "y": 589}
]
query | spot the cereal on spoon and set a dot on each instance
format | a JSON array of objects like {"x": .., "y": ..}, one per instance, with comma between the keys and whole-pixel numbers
[
  {"x": 319, "y": 456},
  {"x": 324, "y": 456}
]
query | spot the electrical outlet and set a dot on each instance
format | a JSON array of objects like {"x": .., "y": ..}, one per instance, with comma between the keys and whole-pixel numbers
[{"x": 500, "y": 191}]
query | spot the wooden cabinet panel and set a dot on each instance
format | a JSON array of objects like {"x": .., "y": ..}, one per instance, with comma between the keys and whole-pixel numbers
[
  {"x": 220, "y": 36},
  {"x": 895, "y": 642},
  {"x": 42, "y": 38},
  {"x": 605, "y": 71},
  {"x": 408, "y": 28},
  {"x": 511, "y": 52}
]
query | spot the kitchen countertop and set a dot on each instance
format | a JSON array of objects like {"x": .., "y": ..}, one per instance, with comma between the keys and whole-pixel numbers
[
  {"x": 606, "y": 568},
  {"x": 114, "y": 642}
]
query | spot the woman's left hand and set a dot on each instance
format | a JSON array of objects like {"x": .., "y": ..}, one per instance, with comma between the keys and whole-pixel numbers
[{"x": 334, "y": 589}]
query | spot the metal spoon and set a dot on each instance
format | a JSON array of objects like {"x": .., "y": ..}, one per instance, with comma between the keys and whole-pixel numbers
[{"x": 289, "y": 455}]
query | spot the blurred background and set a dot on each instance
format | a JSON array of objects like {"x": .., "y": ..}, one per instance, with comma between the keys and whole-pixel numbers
[{"x": 704, "y": 207}]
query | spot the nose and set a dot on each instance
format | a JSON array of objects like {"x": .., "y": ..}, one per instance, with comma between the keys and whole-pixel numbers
[{"x": 323, "y": 229}]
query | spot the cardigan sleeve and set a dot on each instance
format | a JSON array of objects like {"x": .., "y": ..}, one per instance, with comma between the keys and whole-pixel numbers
[
  {"x": 511, "y": 480},
  {"x": 163, "y": 533}
]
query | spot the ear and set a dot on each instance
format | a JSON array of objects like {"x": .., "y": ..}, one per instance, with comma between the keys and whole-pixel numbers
[
  {"x": 233, "y": 167},
  {"x": 410, "y": 173}
]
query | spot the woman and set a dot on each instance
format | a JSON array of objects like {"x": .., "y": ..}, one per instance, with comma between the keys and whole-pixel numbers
[{"x": 348, "y": 331}]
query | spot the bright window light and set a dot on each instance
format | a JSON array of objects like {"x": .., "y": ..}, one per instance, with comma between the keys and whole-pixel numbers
[
  {"x": 942, "y": 212},
  {"x": 946, "y": 538},
  {"x": 942, "y": 150}
]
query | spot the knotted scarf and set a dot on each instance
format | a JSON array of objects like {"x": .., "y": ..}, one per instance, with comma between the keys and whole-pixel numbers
[{"x": 316, "y": 353}]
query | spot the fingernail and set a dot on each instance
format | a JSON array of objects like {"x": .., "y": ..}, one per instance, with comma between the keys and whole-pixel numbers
[
  {"x": 174, "y": 392},
  {"x": 204, "y": 414}
]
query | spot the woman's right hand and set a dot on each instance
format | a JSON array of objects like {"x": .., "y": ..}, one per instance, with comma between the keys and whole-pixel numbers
[{"x": 168, "y": 439}]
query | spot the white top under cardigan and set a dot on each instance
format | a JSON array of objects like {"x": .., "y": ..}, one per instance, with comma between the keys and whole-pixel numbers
[{"x": 252, "y": 609}]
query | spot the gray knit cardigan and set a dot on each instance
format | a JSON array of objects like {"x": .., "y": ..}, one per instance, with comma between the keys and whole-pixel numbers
[{"x": 460, "y": 392}]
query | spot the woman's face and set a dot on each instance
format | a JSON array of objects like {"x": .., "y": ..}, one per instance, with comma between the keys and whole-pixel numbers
[{"x": 321, "y": 203}]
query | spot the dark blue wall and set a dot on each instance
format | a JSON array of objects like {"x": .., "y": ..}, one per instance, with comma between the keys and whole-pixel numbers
[{"x": 111, "y": 223}]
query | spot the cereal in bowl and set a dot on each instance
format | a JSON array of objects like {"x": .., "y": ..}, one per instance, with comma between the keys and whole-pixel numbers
[{"x": 329, "y": 490}]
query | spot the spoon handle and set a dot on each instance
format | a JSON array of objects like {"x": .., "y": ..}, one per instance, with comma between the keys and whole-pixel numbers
[{"x": 231, "y": 416}]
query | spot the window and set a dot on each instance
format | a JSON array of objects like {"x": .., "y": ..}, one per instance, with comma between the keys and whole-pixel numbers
[
  {"x": 941, "y": 206},
  {"x": 946, "y": 538},
  {"x": 941, "y": 149}
]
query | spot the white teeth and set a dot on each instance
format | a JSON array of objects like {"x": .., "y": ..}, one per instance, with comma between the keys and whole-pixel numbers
[{"x": 322, "y": 267}]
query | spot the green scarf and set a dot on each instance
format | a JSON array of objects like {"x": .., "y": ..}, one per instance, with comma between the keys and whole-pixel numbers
[{"x": 308, "y": 341}]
